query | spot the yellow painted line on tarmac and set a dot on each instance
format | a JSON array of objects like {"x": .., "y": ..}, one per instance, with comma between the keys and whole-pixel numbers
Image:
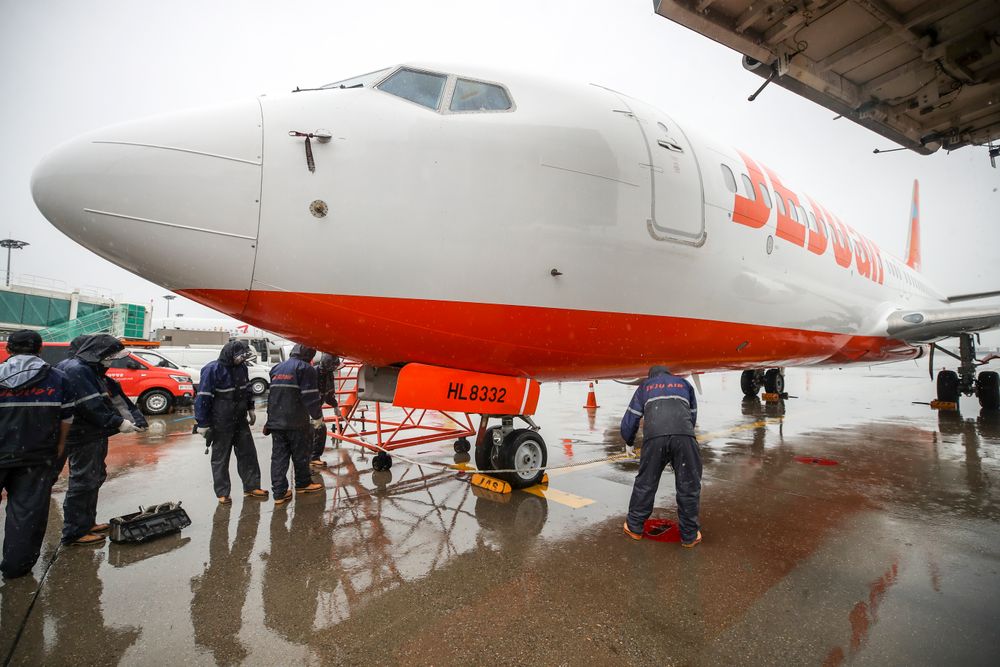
[
  {"x": 542, "y": 491},
  {"x": 562, "y": 497}
]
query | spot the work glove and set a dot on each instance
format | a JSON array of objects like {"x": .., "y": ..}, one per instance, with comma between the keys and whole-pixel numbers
[
  {"x": 127, "y": 427},
  {"x": 318, "y": 423},
  {"x": 629, "y": 450},
  {"x": 251, "y": 417},
  {"x": 204, "y": 431}
]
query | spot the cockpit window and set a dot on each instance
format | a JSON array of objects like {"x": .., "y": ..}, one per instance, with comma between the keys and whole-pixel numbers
[
  {"x": 423, "y": 88},
  {"x": 479, "y": 96},
  {"x": 363, "y": 81}
]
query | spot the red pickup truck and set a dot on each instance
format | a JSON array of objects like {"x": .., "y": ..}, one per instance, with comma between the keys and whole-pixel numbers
[{"x": 155, "y": 390}]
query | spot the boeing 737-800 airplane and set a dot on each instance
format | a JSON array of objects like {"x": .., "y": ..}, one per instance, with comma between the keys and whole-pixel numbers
[{"x": 480, "y": 231}]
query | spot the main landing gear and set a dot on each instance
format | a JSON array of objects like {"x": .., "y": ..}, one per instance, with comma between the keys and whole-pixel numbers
[
  {"x": 951, "y": 384},
  {"x": 772, "y": 380},
  {"x": 518, "y": 450}
]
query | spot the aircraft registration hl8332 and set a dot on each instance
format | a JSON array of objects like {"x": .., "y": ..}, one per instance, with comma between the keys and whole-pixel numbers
[{"x": 472, "y": 233}]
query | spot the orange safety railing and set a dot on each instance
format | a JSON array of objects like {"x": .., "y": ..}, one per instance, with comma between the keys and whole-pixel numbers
[{"x": 391, "y": 427}]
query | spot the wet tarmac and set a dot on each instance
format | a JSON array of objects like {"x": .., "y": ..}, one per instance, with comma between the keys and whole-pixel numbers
[{"x": 890, "y": 556}]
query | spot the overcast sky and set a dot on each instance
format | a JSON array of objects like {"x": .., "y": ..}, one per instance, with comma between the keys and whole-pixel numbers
[{"x": 70, "y": 66}]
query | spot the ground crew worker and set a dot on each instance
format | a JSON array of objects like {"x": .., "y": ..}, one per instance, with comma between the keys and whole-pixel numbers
[
  {"x": 326, "y": 380},
  {"x": 126, "y": 408},
  {"x": 36, "y": 410},
  {"x": 98, "y": 415},
  {"x": 224, "y": 413},
  {"x": 293, "y": 410},
  {"x": 668, "y": 409}
]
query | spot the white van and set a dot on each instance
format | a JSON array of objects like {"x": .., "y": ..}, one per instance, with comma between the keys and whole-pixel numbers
[{"x": 192, "y": 359}]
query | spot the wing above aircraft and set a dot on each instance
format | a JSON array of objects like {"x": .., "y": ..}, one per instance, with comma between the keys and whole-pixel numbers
[{"x": 928, "y": 325}]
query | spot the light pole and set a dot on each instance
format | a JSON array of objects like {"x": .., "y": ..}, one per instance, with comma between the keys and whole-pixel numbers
[
  {"x": 168, "y": 298},
  {"x": 11, "y": 244}
]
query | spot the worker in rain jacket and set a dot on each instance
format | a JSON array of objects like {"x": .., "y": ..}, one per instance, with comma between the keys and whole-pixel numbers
[
  {"x": 224, "y": 412},
  {"x": 99, "y": 413},
  {"x": 293, "y": 411},
  {"x": 668, "y": 409},
  {"x": 36, "y": 410},
  {"x": 326, "y": 378},
  {"x": 118, "y": 396}
]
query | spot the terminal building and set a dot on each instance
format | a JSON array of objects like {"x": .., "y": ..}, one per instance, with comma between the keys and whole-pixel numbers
[{"x": 60, "y": 315}]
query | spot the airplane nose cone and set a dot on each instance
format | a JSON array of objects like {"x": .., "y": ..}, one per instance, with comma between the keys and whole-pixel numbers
[{"x": 172, "y": 198}]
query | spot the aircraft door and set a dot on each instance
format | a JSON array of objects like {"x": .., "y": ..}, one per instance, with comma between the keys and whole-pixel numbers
[{"x": 677, "y": 206}]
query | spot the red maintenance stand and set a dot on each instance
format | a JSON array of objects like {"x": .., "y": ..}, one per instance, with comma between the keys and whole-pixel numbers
[{"x": 383, "y": 428}]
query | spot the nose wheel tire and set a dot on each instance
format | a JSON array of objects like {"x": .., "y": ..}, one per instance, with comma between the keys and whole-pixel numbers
[
  {"x": 462, "y": 446},
  {"x": 522, "y": 450},
  {"x": 381, "y": 461},
  {"x": 988, "y": 390},
  {"x": 484, "y": 454}
]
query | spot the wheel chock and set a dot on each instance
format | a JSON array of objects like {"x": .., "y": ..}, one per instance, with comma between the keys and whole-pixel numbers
[
  {"x": 492, "y": 496},
  {"x": 490, "y": 483},
  {"x": 772, "y": 397},
  {"x": 943, "y": 405},
  {"x": 545, "y": 479}
]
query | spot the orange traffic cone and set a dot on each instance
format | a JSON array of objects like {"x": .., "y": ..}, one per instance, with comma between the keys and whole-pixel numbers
[{"x": 591, "y": 399}]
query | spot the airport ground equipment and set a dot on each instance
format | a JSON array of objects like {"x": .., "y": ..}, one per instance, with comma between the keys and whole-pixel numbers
[{"x": 149, "y": 522}]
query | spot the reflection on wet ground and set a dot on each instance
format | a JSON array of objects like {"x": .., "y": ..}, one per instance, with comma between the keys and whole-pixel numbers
[{"x": 887, "y": 557}]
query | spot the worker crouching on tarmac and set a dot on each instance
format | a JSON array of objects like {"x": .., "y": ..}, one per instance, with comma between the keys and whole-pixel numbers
[
  {"x": 101, "y": 411},
  {"x": 224, "y": 413},
  {"x": 326, "y": 380},
  {"x": 36, "y": 410},
  {"x": 293, "y": 412},
  {"x": 668, "y": 409}
]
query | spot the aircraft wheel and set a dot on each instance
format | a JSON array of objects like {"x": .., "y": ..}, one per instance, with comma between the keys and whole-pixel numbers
[
  {"x": 381, "y": 461},
  {"x": 523, "y": 450},
  {"x": 774, "y": 381},
  {"x": 749, "y": 384},
  {"x": 462, "y": 446},
  {"x": 988, "y": 390},
  {"x": 484, "y": 454},
  {"x": 947, "y": 386}
]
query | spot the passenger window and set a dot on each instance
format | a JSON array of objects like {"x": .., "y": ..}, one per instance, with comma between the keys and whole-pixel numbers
[
  {"x": 423, "y": 88},
  {"x": 765, "y": 195},
  {"x": 727, "y": 176},
  {"x": 781, "y": 205},
  {"x": 812, "y": 222},
  {"x": 792, "y": 212},
  {"x": 751, "y": 195},
  {"x": 478, "y": 96}
]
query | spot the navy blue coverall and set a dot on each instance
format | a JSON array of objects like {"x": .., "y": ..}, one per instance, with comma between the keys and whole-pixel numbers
[
  {"x": 668, "y": 409},
  {"x": 101, "y": 407},
  {"x": 35, "y": 400},
  {"x": 326, "y": 376},
  {"x": 293, "y": 403},
  {"x": 223, "y": 401}
]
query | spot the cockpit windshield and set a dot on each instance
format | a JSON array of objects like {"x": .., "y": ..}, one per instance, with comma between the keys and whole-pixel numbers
[{"x": 363, "y": 81}]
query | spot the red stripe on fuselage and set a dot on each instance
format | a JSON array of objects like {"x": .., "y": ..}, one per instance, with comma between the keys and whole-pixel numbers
[{"x": 543, "y": 343}]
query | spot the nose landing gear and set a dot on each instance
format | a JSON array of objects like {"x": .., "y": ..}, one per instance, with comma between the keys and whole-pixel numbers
[
  {"x": 951, "y": 384},
  {"x": 520, "y": 451}
]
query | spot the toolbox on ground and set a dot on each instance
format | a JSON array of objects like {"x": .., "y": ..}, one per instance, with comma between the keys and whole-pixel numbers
[{"x": 149, "y": 522}]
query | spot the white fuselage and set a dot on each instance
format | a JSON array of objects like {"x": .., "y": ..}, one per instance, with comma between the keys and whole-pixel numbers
[{"x": 579, "y": 234}]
